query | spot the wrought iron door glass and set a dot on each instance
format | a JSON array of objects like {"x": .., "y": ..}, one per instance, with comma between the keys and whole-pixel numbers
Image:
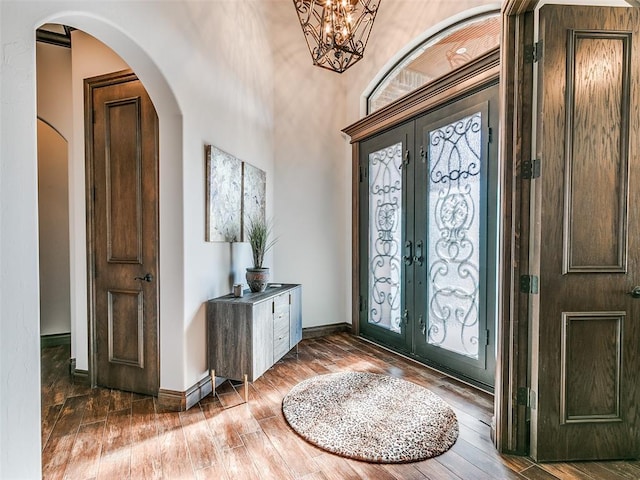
[
  {"x": 385, "y": 237},
  {"x": 453, "y": 254}
]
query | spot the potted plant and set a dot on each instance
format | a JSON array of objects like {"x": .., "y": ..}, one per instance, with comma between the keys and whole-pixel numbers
[{"x": 259, "y": 233}]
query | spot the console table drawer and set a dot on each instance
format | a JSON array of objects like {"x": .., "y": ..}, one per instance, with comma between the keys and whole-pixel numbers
[
  {"x": 280, "y": 332},
  {"x": 281, "y": 301}
]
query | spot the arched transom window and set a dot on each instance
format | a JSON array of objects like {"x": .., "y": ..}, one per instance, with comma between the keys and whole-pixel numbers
[{"x": 437, "y": 55}]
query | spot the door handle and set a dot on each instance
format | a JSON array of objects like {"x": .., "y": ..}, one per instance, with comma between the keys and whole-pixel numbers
[
  {"x": 147, "y": 278},
  {"x": 418, "y": 258},
  {"x": 635, "y": 293},
  {"x": 423, "y": 325},
  {"x": 407, "y": 253}
]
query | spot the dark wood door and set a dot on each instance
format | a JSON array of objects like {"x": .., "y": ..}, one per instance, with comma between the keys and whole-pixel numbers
[
  {"x": 123, "y": 166},
  {"x": 586, "y": 327}
]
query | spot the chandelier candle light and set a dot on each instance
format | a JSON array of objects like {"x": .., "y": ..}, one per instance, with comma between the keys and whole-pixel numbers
[{"x": 336, "y": 31}]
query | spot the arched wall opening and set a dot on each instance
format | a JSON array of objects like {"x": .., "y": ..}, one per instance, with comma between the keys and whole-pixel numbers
[
  {"x": 19, "y": 272},
  {"x": 170, "y": 202}
]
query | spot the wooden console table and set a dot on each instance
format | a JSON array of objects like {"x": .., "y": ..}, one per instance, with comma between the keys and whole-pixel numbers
[{"x": 247, "y": 335}]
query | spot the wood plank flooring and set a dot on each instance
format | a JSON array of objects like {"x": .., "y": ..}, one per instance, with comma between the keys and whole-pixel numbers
[{"x": 102, "y": 434}]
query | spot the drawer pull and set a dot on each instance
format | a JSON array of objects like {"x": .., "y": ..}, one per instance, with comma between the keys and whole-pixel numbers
[
  {"x": 280, "y": 316},
  {"x": 280, "y": 338}
]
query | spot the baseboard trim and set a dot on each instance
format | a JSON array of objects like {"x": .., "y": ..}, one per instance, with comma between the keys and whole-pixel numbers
[
  {"x": 78, "y": 376},
  {"x": 180, "y": 401},
  {"x": 55, "y": 339},
  {"x": 324, "y": 330}
]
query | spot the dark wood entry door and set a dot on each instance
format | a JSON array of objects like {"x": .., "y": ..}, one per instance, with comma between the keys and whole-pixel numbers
[
  {"x": 586, "y": 333},
  {"x": 428, "y": 231},
  {"x": 122, "y": 147}
]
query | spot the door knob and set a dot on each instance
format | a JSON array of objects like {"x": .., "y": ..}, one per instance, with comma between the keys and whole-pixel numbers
[
  {"x": 147, "y": 278},
  {"x": 635, "y": 293}
]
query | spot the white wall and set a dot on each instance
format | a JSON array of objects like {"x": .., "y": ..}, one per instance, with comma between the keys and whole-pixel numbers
[
  {"x": 53, "y": 78},
  {"x": 53, "y": 230},
  {"x": 19, "y": 309},
  {"x": 312, "y": 179}
]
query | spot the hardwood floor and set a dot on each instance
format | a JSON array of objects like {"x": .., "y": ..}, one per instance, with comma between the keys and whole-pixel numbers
[{"x": 105, "y": 434}]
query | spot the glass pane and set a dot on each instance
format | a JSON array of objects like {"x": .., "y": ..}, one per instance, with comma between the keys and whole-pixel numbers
[
  {"x": 385, "y": 237},
  {"x": 454, "y": 235}
]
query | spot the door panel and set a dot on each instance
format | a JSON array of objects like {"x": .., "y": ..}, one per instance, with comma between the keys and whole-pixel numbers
[
  {"x": 586, "y": 335},
  {"x": 596, "y": 207},
  {"x": 456, "y": 207},
  {"x": 124, "y": 248},
  {"x": 123, "y": 169},
  {"x": 386, "y": 273}
]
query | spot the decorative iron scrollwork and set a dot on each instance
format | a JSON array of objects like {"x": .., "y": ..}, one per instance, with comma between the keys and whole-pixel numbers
[
  {"x": 454, "y": 235},
  {"x": 385, "y": 237}
]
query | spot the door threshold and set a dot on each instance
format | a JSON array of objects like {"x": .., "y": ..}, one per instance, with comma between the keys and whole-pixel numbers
[{"x": 430, "y": 367}]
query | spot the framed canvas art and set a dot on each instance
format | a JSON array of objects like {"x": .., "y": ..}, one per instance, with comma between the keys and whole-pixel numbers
[
  {"x": 236, "y": 192},
  {"x": 224, "y": 196}
]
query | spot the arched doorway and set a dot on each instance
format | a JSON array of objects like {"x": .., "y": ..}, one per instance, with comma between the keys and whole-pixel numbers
[
  {"x": 62, "y": 68},
  {"x": 92, "y": 36}
]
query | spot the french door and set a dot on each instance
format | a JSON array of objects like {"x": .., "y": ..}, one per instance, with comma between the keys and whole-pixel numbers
[{"x": 428, "y": 232}]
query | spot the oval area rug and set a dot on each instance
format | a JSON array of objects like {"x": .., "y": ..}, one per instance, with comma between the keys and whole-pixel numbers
[{"x": 370, "y": 417}]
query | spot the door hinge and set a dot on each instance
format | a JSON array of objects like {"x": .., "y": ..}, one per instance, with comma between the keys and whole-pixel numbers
[
  {"x": 363, "y": 173},
  {"x": 526, "y": 397},
  {"x": 487, "y": 333},
  {"x": 533, "y": 53},
  {"x": 529, "y": 284},
  {"x": 422, "y": 154},
  {"x": 406, "y": 157},
  {"x": 490, "y": 135},
  {"x": 360, "y": 304},
  {"x": 531, "y": 169},
  {"x": 405, "y": 316}
]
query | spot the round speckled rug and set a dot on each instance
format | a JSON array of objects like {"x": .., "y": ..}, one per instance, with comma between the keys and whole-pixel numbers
[{"x": 375, "y": 418}]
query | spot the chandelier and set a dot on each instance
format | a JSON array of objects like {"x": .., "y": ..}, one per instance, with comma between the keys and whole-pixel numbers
[{"x": 336, "y": 30}]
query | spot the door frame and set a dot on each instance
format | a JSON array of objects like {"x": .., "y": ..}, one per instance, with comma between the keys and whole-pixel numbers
[
  {"x": 473, "y": 77},
  {"x": 512, "y": 373},
  {"x": 89, "y": 85}
]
